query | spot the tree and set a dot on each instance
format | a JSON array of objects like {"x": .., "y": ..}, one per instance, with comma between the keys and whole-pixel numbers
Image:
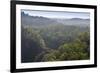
[
  {"x": 75, "y": 50},
  {"x": 32, "y": 44}
]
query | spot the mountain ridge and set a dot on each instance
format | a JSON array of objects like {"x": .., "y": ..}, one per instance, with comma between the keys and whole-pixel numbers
[{"x": 41, "y": 21}]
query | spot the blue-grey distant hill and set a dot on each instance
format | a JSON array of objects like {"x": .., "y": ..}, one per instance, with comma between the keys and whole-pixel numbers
[{"x": 39, "y": 21}]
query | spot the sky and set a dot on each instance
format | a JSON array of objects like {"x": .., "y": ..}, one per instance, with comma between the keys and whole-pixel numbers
[{"x": 58, "y": 14}]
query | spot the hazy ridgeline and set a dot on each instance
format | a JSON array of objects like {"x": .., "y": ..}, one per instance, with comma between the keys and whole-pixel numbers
[{"x": 47, "y": 39}]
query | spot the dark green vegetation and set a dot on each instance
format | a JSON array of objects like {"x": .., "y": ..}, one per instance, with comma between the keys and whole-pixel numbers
[{"x": 53, "y": 42}]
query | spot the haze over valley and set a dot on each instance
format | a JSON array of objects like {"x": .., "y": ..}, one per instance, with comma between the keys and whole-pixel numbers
[{"x": 46, "y": 37}]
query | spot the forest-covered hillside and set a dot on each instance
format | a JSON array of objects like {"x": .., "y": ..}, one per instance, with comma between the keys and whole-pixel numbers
[{"x": 44, "y": 39}]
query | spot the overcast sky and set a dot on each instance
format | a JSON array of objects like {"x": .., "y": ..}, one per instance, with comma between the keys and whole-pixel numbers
[{"x": 58, "y": 14}]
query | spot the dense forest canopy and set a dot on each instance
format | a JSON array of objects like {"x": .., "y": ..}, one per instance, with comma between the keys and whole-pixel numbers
[{"x": 44, "y": 39}]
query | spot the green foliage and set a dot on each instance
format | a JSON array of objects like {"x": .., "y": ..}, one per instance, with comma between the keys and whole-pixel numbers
[
  {"x": 57, "y": 43},
  {"x": 52, "y": 56},
  {"x": 34, "y": 35},
  {"x": 57, "y": 35},
  {"x": 71, "y": 51}
]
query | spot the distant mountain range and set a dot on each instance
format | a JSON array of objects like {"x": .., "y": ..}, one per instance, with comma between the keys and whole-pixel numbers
[
  {"x": 39, "y": 21},
  {"x": 74, "y": 21}
]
